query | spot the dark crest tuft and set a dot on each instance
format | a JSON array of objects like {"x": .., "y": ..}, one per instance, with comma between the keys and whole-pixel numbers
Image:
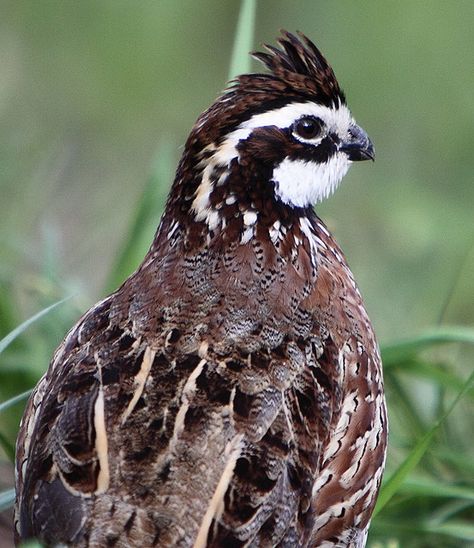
[
  {"x": 303, "y": 67},
  {"x": 299, "y": 72}
]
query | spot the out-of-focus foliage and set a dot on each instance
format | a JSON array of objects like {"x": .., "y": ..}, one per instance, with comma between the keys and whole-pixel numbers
[{"x": 96, "y": 99}]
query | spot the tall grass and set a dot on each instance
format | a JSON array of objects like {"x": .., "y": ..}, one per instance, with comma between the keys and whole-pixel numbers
[{"x": 427, "y": 498}]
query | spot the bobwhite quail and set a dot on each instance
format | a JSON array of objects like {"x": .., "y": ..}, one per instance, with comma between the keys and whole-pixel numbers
[{"x": 230, "y": 392}]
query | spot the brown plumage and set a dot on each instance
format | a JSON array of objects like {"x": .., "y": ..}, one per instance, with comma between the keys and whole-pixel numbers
[{"x": 229, "y": 393}]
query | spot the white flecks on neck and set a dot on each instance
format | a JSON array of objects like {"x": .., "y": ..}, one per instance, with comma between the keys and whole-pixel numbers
[
  {"x": 247, "y": 235},
  {"x": 276, "y": 233},
  {"x": 303, "y": 183},
  {"x": 308, "y": 231},
  {"x": 250, "y": 218},
  {"x": 201, "y": 201},
  {"x": 201, "y": 205}
]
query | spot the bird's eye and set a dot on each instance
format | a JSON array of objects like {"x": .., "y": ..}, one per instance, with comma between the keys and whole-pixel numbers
[{"x": 308, "y": 127}]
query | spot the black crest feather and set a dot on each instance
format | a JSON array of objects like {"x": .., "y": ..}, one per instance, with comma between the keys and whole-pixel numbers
[
  {"x": 298, "y": 72},
  {"x": 303, "y": 67}
]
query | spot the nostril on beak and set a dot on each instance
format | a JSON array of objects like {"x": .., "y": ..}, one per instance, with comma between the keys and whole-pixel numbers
[{"x": 358, "y": 146}]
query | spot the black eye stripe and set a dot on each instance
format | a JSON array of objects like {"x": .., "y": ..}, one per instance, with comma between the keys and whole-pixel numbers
[{"x": 307, "y": 127}]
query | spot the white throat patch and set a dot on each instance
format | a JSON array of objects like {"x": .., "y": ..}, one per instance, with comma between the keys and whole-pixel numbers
[{"x": 301, "y": 183}]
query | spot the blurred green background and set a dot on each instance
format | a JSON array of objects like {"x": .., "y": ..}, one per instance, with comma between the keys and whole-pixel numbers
[{"x": 97, "y": 98}]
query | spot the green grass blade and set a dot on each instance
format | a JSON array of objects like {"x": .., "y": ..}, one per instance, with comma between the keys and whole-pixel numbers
[
  {"x": 391, "y": 486},
  {"x": 13, "y": 401},
  {"x": 458, "y": 529},
  {"x": 7, "y": 499},
  {"x": 437, "y": 373},
  {"x": 8, "y": 339},
  {"x": 243, "y": 42},
  {"x": 427, "y": 487},
  {"x": 400, "y": 351}
]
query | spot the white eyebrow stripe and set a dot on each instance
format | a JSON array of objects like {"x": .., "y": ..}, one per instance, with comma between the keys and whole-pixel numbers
[{"x": 284, "y": 117}]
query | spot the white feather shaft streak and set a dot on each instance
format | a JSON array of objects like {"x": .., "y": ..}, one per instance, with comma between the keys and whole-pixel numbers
[
  {"x": 140, "y": 380},
  {"x": 233, "y": 451},
  {"x": 188, "y": 391},
  {"x": 101, "y": 442}
]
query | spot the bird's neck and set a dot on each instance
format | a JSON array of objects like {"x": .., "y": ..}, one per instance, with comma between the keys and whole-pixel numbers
[{"x": 219, "y": 201}]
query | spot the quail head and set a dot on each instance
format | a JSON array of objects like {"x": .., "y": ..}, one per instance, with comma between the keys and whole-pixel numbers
[{"x": 230, "y": 392}]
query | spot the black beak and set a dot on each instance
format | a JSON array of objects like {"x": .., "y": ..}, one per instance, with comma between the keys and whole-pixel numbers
[{"x": 358, "y": 146}]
